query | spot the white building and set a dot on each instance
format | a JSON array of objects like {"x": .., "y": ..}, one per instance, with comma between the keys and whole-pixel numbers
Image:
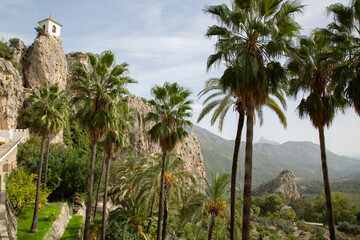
[{"x": 50, "y": 26}]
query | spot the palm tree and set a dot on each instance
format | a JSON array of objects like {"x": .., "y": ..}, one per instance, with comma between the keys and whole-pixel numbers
[
  {"x": 96, "y": 96},
  {"x": 46, "y": 115},
  {"x": 98, "y": 189},
  {"x": 344, "y": 32},
  {"x": 171, "y": 109},
  {"x": 176, "y": 177},
  {"x": 113, "y": 142},
  {"x": 220, "y": 102},
  {"x": 312, "y": 68},
  {"x": 217, "y": 193},
  {"x": 251, "y": 37}
]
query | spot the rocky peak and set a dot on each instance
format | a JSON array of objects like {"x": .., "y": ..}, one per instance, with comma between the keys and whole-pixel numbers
[
  {"x": 45, "y": 60},
  {"x": 19, "y": 50},
  {"x": 284, "y": 183}
]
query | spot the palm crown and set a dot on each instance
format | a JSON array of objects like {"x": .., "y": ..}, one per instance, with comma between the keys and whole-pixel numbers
[
  {"x": 172, "y": 108},
  {"x": 249, "y": 37},
  {"x": 97, "y": 92},
  {"x": 48, "y": 111}
]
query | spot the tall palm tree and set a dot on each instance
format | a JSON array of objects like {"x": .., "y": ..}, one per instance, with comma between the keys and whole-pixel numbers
[
  {"x": 96, "y": 96},
  {"x": 176, "y": 177},
  {"x": 114, "y": 140},
  {"x": 344, "y": 32},
  {"x": 171, "y": 110},
  {"x": 312, "y": 68},
  {"x": 251, "y": 37},
  {"x": 46, "y": 115},
  {"x": 220, "y": 101}
]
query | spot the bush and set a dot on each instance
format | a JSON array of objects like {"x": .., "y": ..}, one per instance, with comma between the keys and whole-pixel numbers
[
  {"x": 349, "y": 228},
  {"x": 264, "y": 221},
  {"x": 40, "y": 31},
  {"x": 284, "y": 225},
  {"x": 5, "y": 50},
  {"x": 21, "y": 190}
]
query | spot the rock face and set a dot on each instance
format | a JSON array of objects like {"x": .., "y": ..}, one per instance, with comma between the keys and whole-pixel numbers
[
  {"x": 11, "y": 95},
  {"x": 19, "y": 50},
  {"x": 189, "y": 149},
  {"x": 284, "y": 183},
  {"x": 45, "y": 60}
]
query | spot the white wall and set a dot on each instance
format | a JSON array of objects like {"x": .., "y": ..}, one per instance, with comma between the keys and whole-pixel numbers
[{"x": 48, "y": 27}]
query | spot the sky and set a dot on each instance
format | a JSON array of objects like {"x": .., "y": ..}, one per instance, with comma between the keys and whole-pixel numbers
[{"x": 163, "y": 40}]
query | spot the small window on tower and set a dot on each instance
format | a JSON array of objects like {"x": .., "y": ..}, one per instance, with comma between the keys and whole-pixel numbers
[
  {"x": 54, "y": 29},
  {"x": 44, "y": 27}
]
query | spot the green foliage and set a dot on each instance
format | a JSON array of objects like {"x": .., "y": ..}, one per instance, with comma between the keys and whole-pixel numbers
[
  {"x": 21, "y": 190},
  {"x": 302, "y": 208},
  {"x": 25, "y": 221},
  {"x": 72, "y": 229},
  {"x": 284, "y": 225},
  {"x": 67, "y": 169},
  {"x": 270, "y": 204},
  {"x": 5, "y": 50},
  {"x": 349, "y": 228},
  {"x": 343, "y": 210},
  {"x": 40, "y": 31},
  {"x": 267, "y": 233}
]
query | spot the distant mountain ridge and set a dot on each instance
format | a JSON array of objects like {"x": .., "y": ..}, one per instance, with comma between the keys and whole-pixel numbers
[{"x": 303, "y": 158}]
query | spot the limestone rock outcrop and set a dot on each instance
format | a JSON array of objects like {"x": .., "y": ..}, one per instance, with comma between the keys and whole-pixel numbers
[
  {"x": 45, "y": 61},
  {"x": 284, "y": 183},
  {"x": 11, "y": 95},
  {"x": 189, "y": 149},
  {"x": 19, "y": 50},
  {"x": 76, "y": 57}
]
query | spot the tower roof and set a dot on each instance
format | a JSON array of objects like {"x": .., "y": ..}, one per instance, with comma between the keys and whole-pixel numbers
[{"x": 51, "y": 19}]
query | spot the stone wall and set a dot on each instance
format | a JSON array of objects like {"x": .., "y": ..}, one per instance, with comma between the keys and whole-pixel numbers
[{"x": 59, "y": 225}]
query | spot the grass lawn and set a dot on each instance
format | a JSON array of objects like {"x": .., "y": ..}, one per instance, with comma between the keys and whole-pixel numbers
[
  {"x": 45, "y": 219},
  {"x": 72, "y": 228}
]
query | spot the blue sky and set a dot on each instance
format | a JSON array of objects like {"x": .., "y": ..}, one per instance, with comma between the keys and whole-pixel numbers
[{"x": 163, "y": 40}]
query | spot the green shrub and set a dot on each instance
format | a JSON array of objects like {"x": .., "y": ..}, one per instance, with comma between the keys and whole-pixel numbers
[
  {"x": 264, "y": 221},
  {"x": 284, "y": 225},
  {"x": 21, "y": 190},
  {"x": 349, "y": 228},
  {"x": 53, "y": 215},
  {"x": 40, "y": 31},
  {"x": 316, "y": 230},
  {"x": 5, "y": 50},
  {"x": 318, "y": 236}
]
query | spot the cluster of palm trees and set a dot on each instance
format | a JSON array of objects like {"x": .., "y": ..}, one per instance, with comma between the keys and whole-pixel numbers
[
  {"x": 98, "y": 98},
  {"x": 252, "y": 36}
]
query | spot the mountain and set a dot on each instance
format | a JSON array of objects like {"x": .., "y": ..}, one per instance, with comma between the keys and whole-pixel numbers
[
  {"x": 284, "y": 183},
  {"x": 302, "y": 158},
  {"x": 264, "y": 140}
]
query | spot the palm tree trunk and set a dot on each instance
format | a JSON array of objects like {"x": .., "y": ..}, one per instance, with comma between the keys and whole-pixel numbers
[
  {"x": 211, "y": 227},
  {"x": 151, "y": 213},
  {"x": 165, "y": 218},
  {"x": 46, "y": 161},
  {"x": 108, "y": 162},
  {"x": 34, "y": 225},
  {"x": 100, "y": 179},
  {"x": 330, "y": 213},
  {"x": 248, "y": 173},
  {"x": 90, "y": 190},
  {"x": 233, "y": 173},
  {"x": 161, "y": 198}
]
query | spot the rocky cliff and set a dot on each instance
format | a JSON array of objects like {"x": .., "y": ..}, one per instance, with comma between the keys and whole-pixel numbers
[
  {"x": 45, "y": 61},
  {"x": 189, "y": 149},
  {"x": 11, "y": 95},
  {"x": 284, "y": 183}
]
